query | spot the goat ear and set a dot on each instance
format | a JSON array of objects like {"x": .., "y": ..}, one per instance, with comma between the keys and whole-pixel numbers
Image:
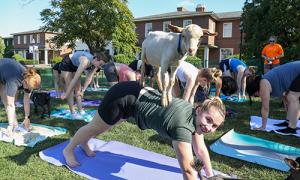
[
  {"x": 292, "y": 163},
  {"x": 207, "y": 33},
  {"x": 175, "y": 29}
]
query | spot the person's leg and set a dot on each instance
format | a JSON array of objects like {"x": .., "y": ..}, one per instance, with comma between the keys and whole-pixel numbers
[
  {"x": 293, "y": 108},
  {"x": 78, "y": 95},
  {"x": 68, "y": 76},
  {"x": 56, "y": 82},
  {"x": 240, "y": 83},
  {"x": 82, "y": 136}
]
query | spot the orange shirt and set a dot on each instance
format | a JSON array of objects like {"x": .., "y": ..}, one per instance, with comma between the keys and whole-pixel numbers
[{"x": 271, "y": 51}]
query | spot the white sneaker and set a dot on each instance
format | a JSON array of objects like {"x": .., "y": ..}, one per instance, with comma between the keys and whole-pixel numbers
[
  {"x": 82, "y": 112},
  {"x": 76, "y": 116}
]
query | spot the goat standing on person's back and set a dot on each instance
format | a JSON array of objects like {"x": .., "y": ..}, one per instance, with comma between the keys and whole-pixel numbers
[{"x": 168, "y": 49}]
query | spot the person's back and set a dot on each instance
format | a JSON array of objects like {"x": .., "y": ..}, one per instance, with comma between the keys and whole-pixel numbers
[
  {"x": 76, "y": 57},
  {"x": 282, "y": 76},
  {"x": 175, "y": 121},
  {"x": 235, "y": 64},
  {"x": 186, "y": 70},
  {"x": 11, "y": 70}
]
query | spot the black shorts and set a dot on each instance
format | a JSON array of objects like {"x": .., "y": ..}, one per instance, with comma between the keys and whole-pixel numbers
[
  {"x": 66, "y": 65},
  {"x": 119, "y": 102},
  {"x": 149, "y": 71},
  {"x": 110, "y": 72},
  {"x": 295, "y": 86},
  {"x": 224, "y": 65},
  {"x": 56, "y": 67}
]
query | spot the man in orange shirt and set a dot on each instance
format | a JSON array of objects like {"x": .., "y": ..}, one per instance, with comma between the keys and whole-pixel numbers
[{"x": 272, "y": 54}]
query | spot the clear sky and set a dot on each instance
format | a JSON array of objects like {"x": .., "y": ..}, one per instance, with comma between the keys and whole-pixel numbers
[{"x": 18, "y": 15}]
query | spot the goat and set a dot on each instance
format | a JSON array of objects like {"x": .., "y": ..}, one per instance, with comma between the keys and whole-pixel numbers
[
  {"x": 295, "y": 168},
  {"x": 168, "y": 49}
]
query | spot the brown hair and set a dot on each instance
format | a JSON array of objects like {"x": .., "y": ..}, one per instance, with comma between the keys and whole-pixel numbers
[
  {"x": 213, "y": 102},
  {"x": 32, "y": 78},
  {"x": 211, "y": 74}
]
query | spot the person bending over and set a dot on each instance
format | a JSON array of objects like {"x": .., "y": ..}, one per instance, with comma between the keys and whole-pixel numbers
[
  {"x": 117, "y": 72},
  {"x": 71, "y": 70},
  {"x": 282, "y": 81},
  {"x": 58, "y": 81},
  {"x": 237, "y": 69},
  {"x": 136, "y": 65},
  {"x": 13, "y": 77},
  {"x": 179, "y": 121},
  {"x": 191, "y": 78}
]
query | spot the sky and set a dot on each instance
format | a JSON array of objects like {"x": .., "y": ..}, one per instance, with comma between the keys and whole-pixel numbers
[{"x": 19, "y": 15}]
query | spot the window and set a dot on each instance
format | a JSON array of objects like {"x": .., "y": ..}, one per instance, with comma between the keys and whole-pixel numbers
[
  {"x": 187, "y": 22},
  {"x": 31, "y": 38},
  {"x": 225, "y": 53},
  {"x": 165, "y": 26},
  {"x": 19, "y": 39},
  {"x": 24, "y": 39},
  {"x": 227, "y": 30},
  {"x": 37, "y": 38},
  {"x": 148, "y": 28}
]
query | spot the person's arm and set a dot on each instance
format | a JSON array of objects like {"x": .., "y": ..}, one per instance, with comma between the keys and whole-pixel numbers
[
  {"x": 185, "y": 158},
  {"x": 218, "y": 87},
  {"x": 187, "y": 94},
  {"x": 194, "y": 90},
  {"x": 264, "y": 93},
  {"x": 88, "y": 80},
  {"x": 83, "y": 64},
  {"x": 26, "y": 102},
  {"x": 201, "y": 152},
  {"x": 239, "y": 82}
]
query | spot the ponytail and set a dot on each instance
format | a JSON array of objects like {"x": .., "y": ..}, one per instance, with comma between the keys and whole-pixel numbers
[{"x": 32, "y": 78}]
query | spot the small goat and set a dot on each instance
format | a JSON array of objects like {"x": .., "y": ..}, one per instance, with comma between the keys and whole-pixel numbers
[
  {"x": 295, "y": 168},
  {"x": 168, "y": 49}
]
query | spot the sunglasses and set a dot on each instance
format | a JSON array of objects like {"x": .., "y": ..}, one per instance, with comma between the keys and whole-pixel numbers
[{"x": 271, "y": 41}]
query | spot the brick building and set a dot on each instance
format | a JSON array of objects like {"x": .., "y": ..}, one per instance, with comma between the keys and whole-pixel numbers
[{"x": 212, "y": 49}]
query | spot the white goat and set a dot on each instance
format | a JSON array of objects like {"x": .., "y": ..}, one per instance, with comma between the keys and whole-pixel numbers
[{"x": 168, "y": 49}]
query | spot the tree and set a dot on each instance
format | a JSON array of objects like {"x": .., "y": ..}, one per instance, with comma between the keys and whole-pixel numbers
[
  {"x": 95, "y": 22},
  {"x": 264, "y": 18},
  {"x": 2, "y": 47}
]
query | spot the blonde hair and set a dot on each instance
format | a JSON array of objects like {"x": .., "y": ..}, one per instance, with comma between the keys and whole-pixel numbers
[
  {"x": 211, "y": 74},
  {"x": 32, "y": 78},
  {"x": 212, "y": 102}
]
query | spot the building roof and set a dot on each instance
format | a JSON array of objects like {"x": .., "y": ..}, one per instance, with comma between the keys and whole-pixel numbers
[
  {"x": 180, "y": 14},
  {"x": 34, "y": 32}
]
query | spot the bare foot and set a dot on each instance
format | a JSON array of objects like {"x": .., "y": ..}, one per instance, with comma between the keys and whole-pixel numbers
[
  {"x": 70, "y": 158},
  {"x": 87, "y": 150}
]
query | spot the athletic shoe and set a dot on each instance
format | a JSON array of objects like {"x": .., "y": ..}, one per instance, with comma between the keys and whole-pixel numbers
[
  {"x": 82, "y": 112},
  {"x": 283, "y": 124},
  {"x": 286, "y": 131},
  {"x": 76, "y": 116}
]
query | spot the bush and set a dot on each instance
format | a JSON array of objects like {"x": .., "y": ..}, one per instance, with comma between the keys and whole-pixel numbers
[
  {"x": 18, "y": 57},
  {"x": 122, "y": 58},
  {"x": 56, "y": 59},
  {"x": 197, "y": 62}
]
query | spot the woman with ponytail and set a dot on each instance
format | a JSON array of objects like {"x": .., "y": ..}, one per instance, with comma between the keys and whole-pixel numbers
[
  {"x": 13, "y": 77},
  {"x": 193, "y": 81},
  {"x": 179, "y": 121}
]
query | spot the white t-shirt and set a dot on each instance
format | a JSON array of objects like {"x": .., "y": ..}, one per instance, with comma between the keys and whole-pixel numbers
[{"x": 186, "y": 69}]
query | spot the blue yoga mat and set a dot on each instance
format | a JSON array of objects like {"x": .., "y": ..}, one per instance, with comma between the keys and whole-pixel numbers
[
  {"x": 66, "y": 114},
  {"x": 233, "y": 98},
  {"x": 255, "y": 150},
  {"x": 116, "y": 160}
]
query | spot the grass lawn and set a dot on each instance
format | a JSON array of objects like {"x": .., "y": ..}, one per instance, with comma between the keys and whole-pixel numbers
[{"x": 24, "y": 163}]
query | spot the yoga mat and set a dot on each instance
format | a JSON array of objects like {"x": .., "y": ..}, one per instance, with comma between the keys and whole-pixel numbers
[
  {"x": 255, "y": 150},
  {"x": 233, "y": 98},
  {"x": 22, "y": 137},
  {"x": 91, "y": 103},
  {"x": 18, "y": 103},
  {"x": 116, "y": 160},
  {"x": 97, "y": 89},
  {"x": 256, "y": 123},
  {"x": 54, "y": 94},
  {"x": 66, "y": 114}
]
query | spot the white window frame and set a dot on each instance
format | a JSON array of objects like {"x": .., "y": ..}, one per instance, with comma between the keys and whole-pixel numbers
[
  {"x": 227, "y": 30},
  {"x": 38, "y": 37},
  {"x": 165, "y": 26},
  {"x": 186, "y": 22},
  {"x": 19, "y": 39},
  {"x": 224, "y": 56},
  {"x": 30, "y": 38},
  {"x": 24, "y": 39},
  {"x": 148, "y": 28}
]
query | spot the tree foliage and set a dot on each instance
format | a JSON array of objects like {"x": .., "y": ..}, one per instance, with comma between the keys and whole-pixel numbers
[
  {"x": 95, "y": 22},
  {"x": 2, "y": 47},
  {"x": 264, "y": 18}
]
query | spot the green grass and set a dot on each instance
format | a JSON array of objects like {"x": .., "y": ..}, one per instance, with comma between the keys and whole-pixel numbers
[{"x": 24, "y": 163}]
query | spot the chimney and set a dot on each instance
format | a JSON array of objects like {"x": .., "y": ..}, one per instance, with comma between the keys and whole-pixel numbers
[
  {"x": 180, "y": 9},
  {"x": 200, "y": 8}
]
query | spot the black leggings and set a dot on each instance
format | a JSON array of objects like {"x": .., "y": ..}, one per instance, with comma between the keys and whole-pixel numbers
[
  {"x": 224, "y": 65},
  {"x": 119, "y": 102}
]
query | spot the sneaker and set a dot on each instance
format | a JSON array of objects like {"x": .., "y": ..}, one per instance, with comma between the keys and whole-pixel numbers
[
  {"x": 82, "y": 112},
  {"x": 283, "y": 124},
  {"x": 286, "y": 131},
  {"x": 76, "y": 116}
]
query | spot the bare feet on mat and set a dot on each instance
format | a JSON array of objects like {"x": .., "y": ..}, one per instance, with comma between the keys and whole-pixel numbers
[
  {"x": 70, "y": 158},
  {"x": 87, "y": 150}
]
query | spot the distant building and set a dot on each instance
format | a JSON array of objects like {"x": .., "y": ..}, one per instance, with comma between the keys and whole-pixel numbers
[{"x": 211, "y": 49}]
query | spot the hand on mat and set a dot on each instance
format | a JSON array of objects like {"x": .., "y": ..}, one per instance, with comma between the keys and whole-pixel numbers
[
  {"x": 63, "y": 97},
  {"x": 26, "y": 123}
]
